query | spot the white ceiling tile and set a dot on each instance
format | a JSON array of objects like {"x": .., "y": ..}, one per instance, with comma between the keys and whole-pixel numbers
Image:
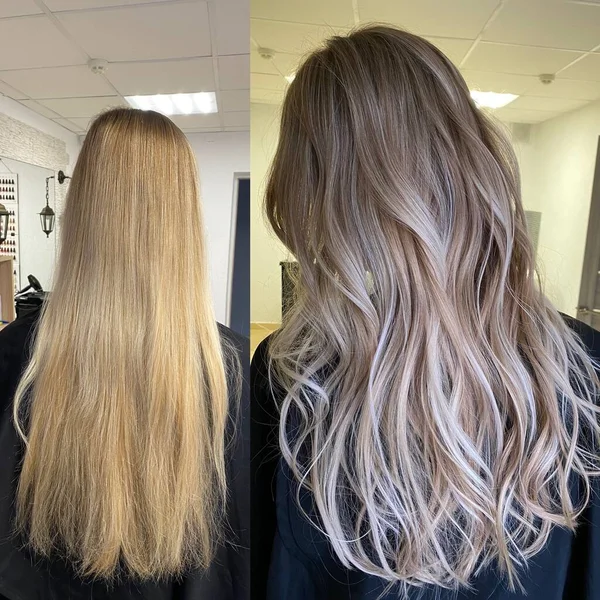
[
  {"x": 7, "y": 90},
  {"x": 236, "y": 128},
  {"x": 548, "y": 23},
  {"x": 268, "y": 82},
  {"x": 531, "y": 85},
  {"x": 457, "y": 19},
  {"x": 235, "y": 100},
  {"x": 58, "y": 82},
  {"x": 233, "y": 26},
  {"x": 81, "y": 122},
  {"x": 587, "y": 69},
  {"x": 167, "y": 77},
  {"x": 234, "y": 72},
  {"x": 38, "y": 108},
  {"x": 287, "y": 64},
  {"x": 201, "y": 130},
  {"x": 196, "y": 121},
  {"x": 266, "y": 96},
  {"x": 332, "y": 12},
  {"x": 69, "y": 125},
  {"x": 293, "y": 38},
  {"x": 155, "y": 31},
  {"x": 547, "y": 104},
  {"x": 237, "y": 119},
  {"x": 524, "y": 60},
  {"x": 81, "y": 107},
  {"x": 514, "y": 115},
  {"x": 55, "y": 5},
  {"x": 566, "y": 88},
  {"x": 511, "y": 61},
  {"x": 488, "y": 81},
  {"x": 16, "y": 8},
  {"x": 258, "y": 64},
  {"x": 453, "y": 48},
  {"x": 31, "y": 42}
]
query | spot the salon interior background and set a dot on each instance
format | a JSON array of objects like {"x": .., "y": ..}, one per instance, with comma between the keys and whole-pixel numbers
[
  {"x": 151, "y": 47},
  {"x": 500, "y": 46}
]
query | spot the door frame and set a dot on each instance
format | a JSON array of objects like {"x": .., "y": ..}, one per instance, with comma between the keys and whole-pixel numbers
[
  {"x": 232, "y": 231},
  {"x": 591, "y": 259}
]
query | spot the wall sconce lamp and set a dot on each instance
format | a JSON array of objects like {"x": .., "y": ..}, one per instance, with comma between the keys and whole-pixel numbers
[{"x": 47, "y": 215}]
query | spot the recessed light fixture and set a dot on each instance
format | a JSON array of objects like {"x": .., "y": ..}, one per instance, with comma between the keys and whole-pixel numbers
[
  {"x": 176, "y": 104},
  {"x": 290, "y": 78},
  {"x": 492, "y": 99}
]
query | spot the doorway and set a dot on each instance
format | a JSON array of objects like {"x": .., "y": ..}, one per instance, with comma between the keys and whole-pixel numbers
[
  {"x": 239, "y": 294},
  {"x": 588, "y": 309}
]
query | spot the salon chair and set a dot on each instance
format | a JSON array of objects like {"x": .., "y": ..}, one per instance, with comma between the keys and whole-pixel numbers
[{"x": 30, "y": 298}]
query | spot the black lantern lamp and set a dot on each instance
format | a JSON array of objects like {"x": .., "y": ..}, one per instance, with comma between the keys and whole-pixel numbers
[
  {"x": 47, "y": 215},
  {"x": 4, "y": 217},
  {"x": 47, "y": 219}
]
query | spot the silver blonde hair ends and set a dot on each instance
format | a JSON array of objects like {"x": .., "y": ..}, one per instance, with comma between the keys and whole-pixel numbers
[
  {"x": 124, "y": 404},
  {"x": 438, "y": 408}
]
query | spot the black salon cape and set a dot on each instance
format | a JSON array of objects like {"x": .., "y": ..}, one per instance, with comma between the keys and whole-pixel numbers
[
  {"x": 292, "y": 560},
  {"x": 23, "y": 577}
]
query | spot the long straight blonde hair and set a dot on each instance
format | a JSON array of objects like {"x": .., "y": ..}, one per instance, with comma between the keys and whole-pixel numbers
[
  {"x": 123, "y": 406},
  {"x": 437, "y": 406}
]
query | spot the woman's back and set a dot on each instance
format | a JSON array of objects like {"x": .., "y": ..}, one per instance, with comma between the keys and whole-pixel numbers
[
  {"x": 127, "y": 397},
  {"x": 295, "y": 561},
  {"x": 433, "y": 404},
  {"x": 26, "y": 576}
]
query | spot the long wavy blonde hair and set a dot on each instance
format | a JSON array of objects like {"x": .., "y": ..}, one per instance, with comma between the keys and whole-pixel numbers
[
  {"x": 437, "y": 406},
  {"x": 123, "y": 406}
]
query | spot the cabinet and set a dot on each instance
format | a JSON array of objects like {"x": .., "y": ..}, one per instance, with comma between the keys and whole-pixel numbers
[{"x": 7, "y": 289}]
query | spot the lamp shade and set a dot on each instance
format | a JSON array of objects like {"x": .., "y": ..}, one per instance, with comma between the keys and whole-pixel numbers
[
  {"x": 47, "y": 220},
  {"x": 4, "y": 217}
]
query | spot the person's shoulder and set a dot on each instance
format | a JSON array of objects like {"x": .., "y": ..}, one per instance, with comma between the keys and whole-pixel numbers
[
  {"x": 237, "y": 360},
  {"x": 239, "y": 342},
  {"x": 265, "y": 389},
  {"x": 260, "y": 358},
  {"x": 15, "y": 339},
  {"x": 20, "y": 328},
  {"x": 588, "y": 335}
]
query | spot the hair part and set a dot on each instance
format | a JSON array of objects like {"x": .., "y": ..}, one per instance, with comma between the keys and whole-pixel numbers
[
  {"x": 123, "y": 406},
  {"x": 437, "y": 406}
]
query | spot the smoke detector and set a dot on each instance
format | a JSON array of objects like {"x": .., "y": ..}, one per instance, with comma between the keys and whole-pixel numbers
[
  {"x": 547, "y": 78},
  {"x": 266, "y": 53},
  {"x": 98, "y": 66}
]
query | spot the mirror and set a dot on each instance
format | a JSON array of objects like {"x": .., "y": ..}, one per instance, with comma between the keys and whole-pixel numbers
[{"x": 23, "y": 193}]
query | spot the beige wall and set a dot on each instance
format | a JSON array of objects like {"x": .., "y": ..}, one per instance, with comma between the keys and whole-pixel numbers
[
  {"x": 557, "y": 169},
  {"x": 220, "y": 156},
  {"x": 266, "y": 250}
]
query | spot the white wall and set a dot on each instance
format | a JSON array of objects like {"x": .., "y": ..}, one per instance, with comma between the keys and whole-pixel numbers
[
  {"x": 35, "y": 141},
  {"x": 220, "y": 156},
  {"x": 37, "y": 252},
  {"x": 266, "y": 250},
  {"x": 21, "y": 113},
  {"x": 557, "y": 165},
  {"x": 557, "y": 170}
]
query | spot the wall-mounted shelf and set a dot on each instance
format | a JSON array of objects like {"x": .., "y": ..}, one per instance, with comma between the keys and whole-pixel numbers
[
  {"x": 9, "y": 196},
  {"x": 7, "y": 287}
]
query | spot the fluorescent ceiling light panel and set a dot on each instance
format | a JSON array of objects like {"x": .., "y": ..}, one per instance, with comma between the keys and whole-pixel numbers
[
  {"x": 176, "y": 104},
  {"x": 492, "y": 99},
  {"x": 290, "y": 78}
]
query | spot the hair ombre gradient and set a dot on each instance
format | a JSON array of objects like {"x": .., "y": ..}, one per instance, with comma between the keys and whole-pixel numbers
[
  {"x": 123, "y": 406},
  {"x": 437, "y": 405}
]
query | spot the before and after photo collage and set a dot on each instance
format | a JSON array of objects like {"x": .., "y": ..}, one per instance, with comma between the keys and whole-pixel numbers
[{"x": 299, "y": 300}]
